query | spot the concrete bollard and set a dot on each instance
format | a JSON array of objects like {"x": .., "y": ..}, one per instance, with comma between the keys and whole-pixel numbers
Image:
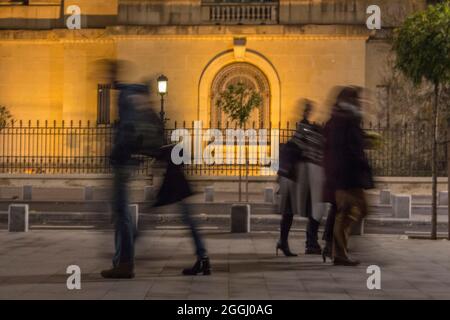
[
  {"x": 443, "y": 198},
  {"x": 401, "y": 206},
  {"x": 385, "y": 197},
  {"x": 358, "y": 229},
  {"x": 269, "y": 196},
  {"x": 209, "y": 194},
  {"x": 149, "y": 193},
  {"x": 134, "y": 212},
  {"x": 27, "y": 193},
  {"x": 240, "y": 218},
  {"x": 18, "y": 218},
  {"x": 89, "y": 193}
]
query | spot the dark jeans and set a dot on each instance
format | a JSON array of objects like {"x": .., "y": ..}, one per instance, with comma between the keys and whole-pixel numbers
[
  {"x": 124, "y": 229},
  {"x": 189, "y": 221}
]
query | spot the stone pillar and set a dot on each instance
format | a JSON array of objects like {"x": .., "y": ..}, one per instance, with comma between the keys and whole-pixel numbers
[
  {"x": 401, "y": 206},
  {"x": 18, "y": 218},
  {"x": 443, "y": 198},
  {"x": 149, "y": 193},
  {"x": 134, "y": 212},
  {"x": 27, "y": 193},
  {"x": 240, "y": 218},
  {"x": 385, "y": 197},
  {"x": 269, "y": 195},
  {"x": 448, "y": 165},
  {"x": 89, "y": 193},
  {"x": 209, "y": 194}
]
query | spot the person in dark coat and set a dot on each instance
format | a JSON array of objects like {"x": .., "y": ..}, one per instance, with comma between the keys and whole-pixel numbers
[
  {"x": 125, "y": 145},
  {"x": 347, "y": 170}
]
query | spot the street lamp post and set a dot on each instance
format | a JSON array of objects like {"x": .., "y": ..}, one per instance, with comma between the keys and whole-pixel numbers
[{"x": 162, "y": 90}]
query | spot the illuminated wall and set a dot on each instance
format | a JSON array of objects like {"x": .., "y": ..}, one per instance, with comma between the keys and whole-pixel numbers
[
  {"x": 48, "y": 73},
  {"x": 55, "y": 79}
]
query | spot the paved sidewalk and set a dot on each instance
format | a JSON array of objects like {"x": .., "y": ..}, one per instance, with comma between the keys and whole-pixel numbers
[{"x": 33, "y": 265}]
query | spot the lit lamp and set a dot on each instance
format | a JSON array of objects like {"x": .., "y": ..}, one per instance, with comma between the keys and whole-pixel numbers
[{"x": 162, "y": 90}]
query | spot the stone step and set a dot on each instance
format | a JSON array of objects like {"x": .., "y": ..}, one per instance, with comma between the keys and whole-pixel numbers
[
  {"x": 103, "y": 193},
  {"x": 426, "y": 209},
  {"x": 92, "y": 220},
  {"x": 201, "y": 207}
]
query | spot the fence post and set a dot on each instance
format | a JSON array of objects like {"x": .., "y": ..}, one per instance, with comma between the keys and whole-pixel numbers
[{"x": 448, "y": 175}]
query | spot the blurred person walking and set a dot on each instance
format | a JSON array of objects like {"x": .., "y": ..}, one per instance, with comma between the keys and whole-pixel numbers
[
  {"x": 175, "y": 189},
  {"x": 138, "y": 131},
  {"x": 301, "y": 183},
  {"x": 347, "y": 170}
]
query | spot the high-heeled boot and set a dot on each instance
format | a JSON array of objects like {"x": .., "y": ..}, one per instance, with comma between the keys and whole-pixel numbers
[
  {"x": 312, "y": 244},
  {"x": 285, "y": 227}
]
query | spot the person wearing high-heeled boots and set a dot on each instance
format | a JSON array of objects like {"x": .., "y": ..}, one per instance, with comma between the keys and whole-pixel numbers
[
  {"x": 287, "y": 180},
  {"x": 309, "y": 139},
  {"x": 301, "y": 180},
  {"x": 348, "y": 170}
]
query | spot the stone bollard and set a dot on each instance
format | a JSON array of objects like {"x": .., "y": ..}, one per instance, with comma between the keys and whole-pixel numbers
[
  {"x": 385, "y": 197},
  {"x": 358, "y": 229},
  {"x": 209, "y": 194},
  {"x": 18, "y": 218},
  {"x": 27, "y": 193},
  {"x": 240, "y": 218},
  {"x": 134, "y": 212},
  {"x": 149, "y": 193},
  {"x": 89, "y": 193},
  {"x": 401, "y": 206},
  {"x": 443, "y": 198},
  {"x": 269, "y": 196}
]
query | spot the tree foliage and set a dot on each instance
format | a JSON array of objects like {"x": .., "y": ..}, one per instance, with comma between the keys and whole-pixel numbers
[
  {"x": 422, "y": 45},
  {"x": 238, "y": 101},
  {"x": 5, "y": 117}
]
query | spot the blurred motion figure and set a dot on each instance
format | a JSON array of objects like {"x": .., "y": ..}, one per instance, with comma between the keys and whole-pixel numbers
[
  {"x": 347, "y": 171},
  {"x": 301, "y": 182},
  {"x": 139, "y": 131}
]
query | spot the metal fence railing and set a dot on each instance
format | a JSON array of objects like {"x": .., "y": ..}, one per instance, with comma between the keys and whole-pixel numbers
[
  {"x": 82, "y": 148},
  {"x": 58, "y": 148}
]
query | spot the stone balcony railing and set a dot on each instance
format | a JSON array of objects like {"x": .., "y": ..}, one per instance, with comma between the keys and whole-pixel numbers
[{"x": 251, "y": 13}]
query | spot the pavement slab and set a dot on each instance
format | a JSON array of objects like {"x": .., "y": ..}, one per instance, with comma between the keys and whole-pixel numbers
[{"x": 33, "y": 266}]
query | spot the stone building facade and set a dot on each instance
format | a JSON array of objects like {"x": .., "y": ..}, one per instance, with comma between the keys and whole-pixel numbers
[{"x": 287, "y": 49}]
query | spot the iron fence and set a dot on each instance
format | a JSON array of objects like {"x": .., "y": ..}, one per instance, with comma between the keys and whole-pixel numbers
[
  {"x": 82, "y": 148},
  {"x": 58, "y": 148}
]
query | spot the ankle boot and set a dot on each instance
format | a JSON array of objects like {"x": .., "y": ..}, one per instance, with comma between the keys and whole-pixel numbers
[
  {"x": 347, "y": 262},
  {"x": 202, "y": 265},
  {"x": 122, "y": 271}
]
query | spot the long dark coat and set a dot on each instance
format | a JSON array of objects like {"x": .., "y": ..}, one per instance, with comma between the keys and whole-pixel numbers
[
  {"x": 345, "y": 162},
  {"x": 175, "y": 186}
]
